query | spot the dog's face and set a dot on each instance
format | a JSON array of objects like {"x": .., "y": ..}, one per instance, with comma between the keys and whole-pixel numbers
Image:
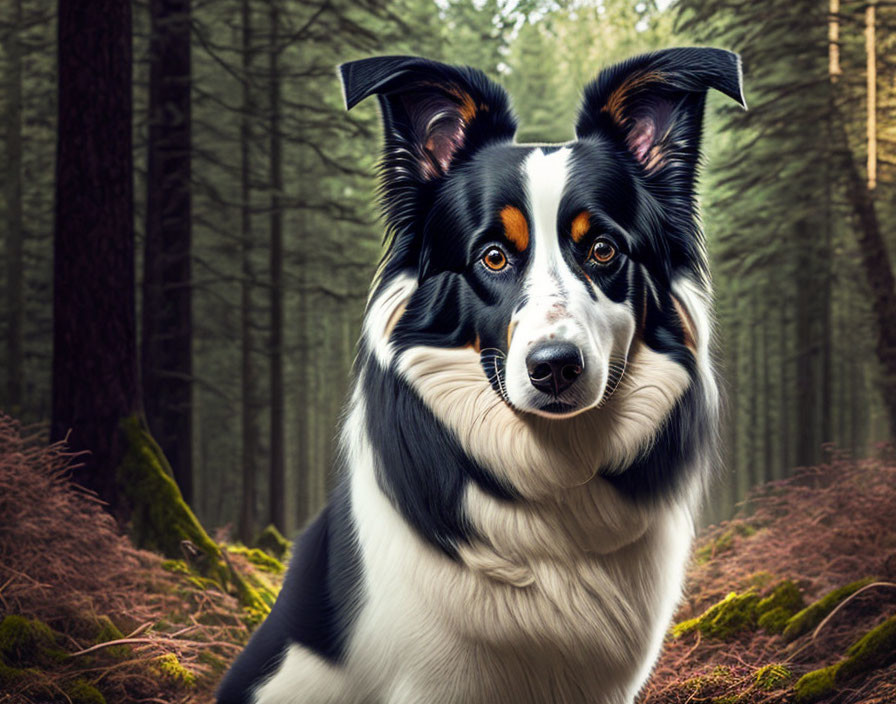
[
  {"x": 548, "y": 261},
  {"x": 547, "y": 304}
]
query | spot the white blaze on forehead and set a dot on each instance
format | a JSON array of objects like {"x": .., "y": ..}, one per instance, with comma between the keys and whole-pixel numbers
[{"x": 546, "y": 176}]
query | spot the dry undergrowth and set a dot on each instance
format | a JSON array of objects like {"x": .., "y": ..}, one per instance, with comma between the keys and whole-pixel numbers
[{"x": 829, "y": 530}]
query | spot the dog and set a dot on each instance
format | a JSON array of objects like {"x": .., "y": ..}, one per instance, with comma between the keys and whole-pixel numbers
[{"x": 534, "y": 410}]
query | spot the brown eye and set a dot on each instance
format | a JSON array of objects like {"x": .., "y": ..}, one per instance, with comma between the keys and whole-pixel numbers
[
  {"x": 494, "y": 259},
  {"x": 602, "y": 251}
]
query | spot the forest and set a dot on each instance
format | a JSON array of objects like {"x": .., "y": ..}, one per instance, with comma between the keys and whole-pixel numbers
[{"x": 189, "y": 228}]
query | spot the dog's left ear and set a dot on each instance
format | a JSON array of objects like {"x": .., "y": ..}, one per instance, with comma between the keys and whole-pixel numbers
[
  {"x": 654, "y": 104},
  {"x": 434, "y": 115}
]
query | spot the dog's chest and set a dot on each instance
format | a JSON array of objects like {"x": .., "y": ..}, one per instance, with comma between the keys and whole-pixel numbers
[{"x": 558, "y": 628}]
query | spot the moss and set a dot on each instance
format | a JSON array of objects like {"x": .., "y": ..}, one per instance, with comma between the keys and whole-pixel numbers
[
  {"x": 815, "y": 685},
  {"x": 160, "y": 519},
  {"x": 259, "y": 558},
  {"x": 759, "y": 580},
  {"x": 169, "y": 666},
  {"x": 807, "y": 619},
  {"x": 109, "y": 631},
  {"x": 772, "y": 676},
  {"x": 176, "y": 566},
  {"x": 875, "y": 649},
  {"x": 82, "y": 692},
  {"x": 23, "y": 640},
  {"x": 13, "y": 676},
  {"x": 272, "y": 542},
  {"x": 775, "y": 610},
  {"x": 734, "y": 613},
  {"x": 775, "y": 620}
]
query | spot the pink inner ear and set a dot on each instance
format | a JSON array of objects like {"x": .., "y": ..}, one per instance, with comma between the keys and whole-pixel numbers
[
  {"x": 445, "y": 138},
  {"x": 642, "y": 137}
]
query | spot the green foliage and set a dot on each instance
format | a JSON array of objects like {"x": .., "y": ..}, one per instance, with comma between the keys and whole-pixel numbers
[
  {"x": 875, "y": 649},
  {"x": 259, "y": 558},
  {"x": 807, "y": 619}
]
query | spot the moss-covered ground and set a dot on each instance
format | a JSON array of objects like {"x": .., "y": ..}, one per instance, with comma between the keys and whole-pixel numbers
[
  {"x": 792, "y": 603},
  {"x": 86, "y": 617}
]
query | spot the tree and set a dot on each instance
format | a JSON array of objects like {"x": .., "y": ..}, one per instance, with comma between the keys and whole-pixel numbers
[
  {"x": 15, "y": 280},
  {"x": 95, "y": 383},
  {"x": 277, "y": 480},
  {"x": 167, "y": 329}
]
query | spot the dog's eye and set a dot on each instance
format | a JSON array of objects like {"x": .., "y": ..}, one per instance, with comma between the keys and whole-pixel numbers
[
  {"x": 494, "y": 259},
  {"x": 602, "y": 251}
]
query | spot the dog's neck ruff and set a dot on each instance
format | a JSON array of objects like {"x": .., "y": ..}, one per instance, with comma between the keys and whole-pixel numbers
[{"x": 449, "y": 446}]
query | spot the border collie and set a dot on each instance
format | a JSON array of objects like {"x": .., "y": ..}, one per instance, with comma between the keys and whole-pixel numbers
[{"x": 534, "y": 406}]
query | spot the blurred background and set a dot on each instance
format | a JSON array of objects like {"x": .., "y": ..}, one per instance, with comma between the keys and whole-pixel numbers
[{"x": 257, "y": 232}]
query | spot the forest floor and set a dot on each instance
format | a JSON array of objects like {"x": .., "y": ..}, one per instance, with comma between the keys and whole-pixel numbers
[{"x": 793, "y": 601}]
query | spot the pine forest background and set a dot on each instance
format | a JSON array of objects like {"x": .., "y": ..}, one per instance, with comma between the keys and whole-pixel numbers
[{"x": 257, "y": 232}]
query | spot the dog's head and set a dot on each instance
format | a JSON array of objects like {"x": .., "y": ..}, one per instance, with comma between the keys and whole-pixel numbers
[{"x": 551, "y": 263}]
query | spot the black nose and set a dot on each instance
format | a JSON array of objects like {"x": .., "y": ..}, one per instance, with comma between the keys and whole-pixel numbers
[{"x": 554, "y": 366}]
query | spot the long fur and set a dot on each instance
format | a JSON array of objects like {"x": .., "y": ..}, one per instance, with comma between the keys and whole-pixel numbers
[{"x": 492, "y": 540}]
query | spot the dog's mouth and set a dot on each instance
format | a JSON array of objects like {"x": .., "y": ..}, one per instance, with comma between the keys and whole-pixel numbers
[{"x": 494, "y": 363}]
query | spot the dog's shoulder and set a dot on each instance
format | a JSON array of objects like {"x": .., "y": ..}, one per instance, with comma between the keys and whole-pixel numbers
[{"x": 316, "y": 605}]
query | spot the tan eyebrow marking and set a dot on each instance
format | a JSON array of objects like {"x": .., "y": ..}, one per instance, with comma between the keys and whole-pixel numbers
[
  {"x": 580, "y": 226},
  {"x": 515, "y": 227}
]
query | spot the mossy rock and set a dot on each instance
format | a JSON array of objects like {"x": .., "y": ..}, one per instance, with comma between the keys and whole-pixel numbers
[
  {"x": 775, "y": 610},
  {"x": 81, "y": 691},
  {"x": 272, "y": 542},
  {"x": 259, "y": 558},
  {"x": 807, "y": 619},
  {"x": 773, "y": 676},
  {"x": 26, "y": 641},
  {"x": 875, "y": 649},
  {"x": 735, "y": 613},
  {"x": 170, "y": 668}
]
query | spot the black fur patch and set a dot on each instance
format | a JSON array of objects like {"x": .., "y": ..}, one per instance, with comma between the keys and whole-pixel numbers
[{"x": 422, "y": 467}]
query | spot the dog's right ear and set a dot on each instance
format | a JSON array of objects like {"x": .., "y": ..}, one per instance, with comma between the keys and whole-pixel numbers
[{"x": 435, "y": 116}]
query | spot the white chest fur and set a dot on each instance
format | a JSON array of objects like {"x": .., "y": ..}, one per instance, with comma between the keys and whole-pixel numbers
[{"x": 552, "y": 606}]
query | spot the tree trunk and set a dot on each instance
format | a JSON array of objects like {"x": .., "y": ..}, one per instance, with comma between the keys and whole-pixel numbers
[
  {"x": 804, "y": 353},
  {"x": 95, "y": 383},
  {"x": 783, "y": 395},
  {"x": 277, "y": 482},
  {"x": 167, "y": 320},
  {"x": 878, "y": 271},
  {"x": 247, "y": 373},
  {"x": 15, "y": 280}
]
